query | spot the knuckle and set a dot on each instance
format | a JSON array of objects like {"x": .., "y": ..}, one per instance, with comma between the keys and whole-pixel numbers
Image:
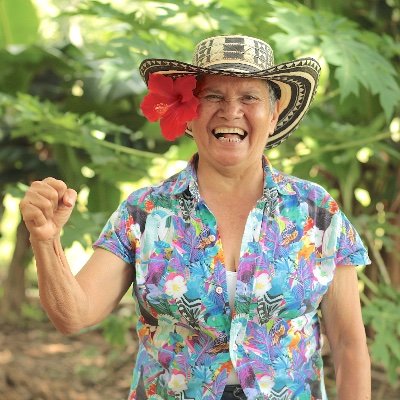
[
  {"x": 51, "y": 179},
  {"x": 56, "y": 184},
  {"x": 36, "y": 213},
  {"x": 36, "y": 184},
  {"x": 47, "y": 204},
  {"x": 53, "y": 196}
]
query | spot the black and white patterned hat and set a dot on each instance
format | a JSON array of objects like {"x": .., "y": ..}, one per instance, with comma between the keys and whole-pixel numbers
[{"x": 248, "y": 57}]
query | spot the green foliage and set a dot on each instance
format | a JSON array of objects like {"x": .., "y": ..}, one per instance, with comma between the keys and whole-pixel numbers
[
  {"x": 33, "y": 312},
  {"x": 115, "y": 328},
  {"x": 354, "y": 54},
  {"x": 18, "y": 22},
  {"x": 382, "y": 313},
  {"x": 87, "y": 222}
]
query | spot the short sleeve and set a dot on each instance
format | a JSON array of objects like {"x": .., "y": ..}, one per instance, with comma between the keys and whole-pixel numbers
[
  {"x": 350, "y": 249},
  {"x": 114, "y": 236}
]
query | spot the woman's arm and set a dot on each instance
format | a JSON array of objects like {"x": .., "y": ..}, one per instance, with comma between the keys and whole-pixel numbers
[
  {"x": 71, "y": 303},
  {"x": 341, "y": 314}
]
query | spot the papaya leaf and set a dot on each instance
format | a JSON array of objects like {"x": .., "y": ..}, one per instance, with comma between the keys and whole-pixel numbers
[{"x": 358, "y": 64}]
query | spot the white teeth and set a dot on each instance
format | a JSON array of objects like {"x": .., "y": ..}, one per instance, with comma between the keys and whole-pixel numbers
[
  {"x": 232, "y": 140},
  {"x": 224, "y": 129}
]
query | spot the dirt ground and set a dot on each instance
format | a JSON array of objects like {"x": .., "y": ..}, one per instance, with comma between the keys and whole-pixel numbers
[{"x": 37, "y": 363}]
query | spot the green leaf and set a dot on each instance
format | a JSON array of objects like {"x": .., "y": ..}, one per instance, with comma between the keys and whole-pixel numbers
[
  {"x": 380, "y": 351},
  {"x": 18, "y": 22},
  {"x": 115, "y": 328},
  {"x": 396, "y": 350},
  {"x": 393, "y": 372},
  {"x": 360, "y": 65},
  {"x": 83, "y": 227},
  {"x": 103, "y": 196}
]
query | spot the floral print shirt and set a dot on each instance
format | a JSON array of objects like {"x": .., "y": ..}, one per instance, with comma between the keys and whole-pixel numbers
[{"x": 189, "y": 340}]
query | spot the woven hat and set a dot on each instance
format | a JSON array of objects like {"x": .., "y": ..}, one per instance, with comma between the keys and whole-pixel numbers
[{"x": 247, "y": 57}]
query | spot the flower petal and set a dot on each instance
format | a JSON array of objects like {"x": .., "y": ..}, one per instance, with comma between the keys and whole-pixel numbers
[
  {"x": 189, "y": 109},
  {"x": 154, "y": 106},
  {"x": 172, "y": 125},
  {"x": 184, "y": 86},
  {"x": 162, "y": 85}
]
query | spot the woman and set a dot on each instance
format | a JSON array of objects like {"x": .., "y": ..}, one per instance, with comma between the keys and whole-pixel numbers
[{"x": 230, "y": 259}]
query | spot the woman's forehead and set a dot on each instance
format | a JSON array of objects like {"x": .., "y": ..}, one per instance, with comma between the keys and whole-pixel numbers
[{"x": 216, "y": 82}]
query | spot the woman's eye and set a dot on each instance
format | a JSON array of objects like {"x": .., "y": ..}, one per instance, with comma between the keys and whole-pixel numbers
[
  {"x": 249, "y": 99},
  {"x": 213, "y": 98}
]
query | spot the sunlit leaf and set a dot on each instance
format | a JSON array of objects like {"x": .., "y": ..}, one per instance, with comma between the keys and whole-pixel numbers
[{"x": 18, "y": 23}]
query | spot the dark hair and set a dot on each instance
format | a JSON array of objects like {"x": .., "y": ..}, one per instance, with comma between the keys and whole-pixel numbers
[{"x": 274, "y": 92}]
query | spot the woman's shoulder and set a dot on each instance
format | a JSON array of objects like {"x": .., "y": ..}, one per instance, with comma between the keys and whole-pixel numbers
[
  {"x": 304, "y": 189},
  {"x": 158, "y": 192}
]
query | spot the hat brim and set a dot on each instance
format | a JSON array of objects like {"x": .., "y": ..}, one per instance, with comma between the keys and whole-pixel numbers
[{"x": 296, "y": 79}]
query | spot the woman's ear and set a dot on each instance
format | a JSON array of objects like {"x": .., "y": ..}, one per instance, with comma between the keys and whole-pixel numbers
[
  {"x": 189, "y": 125},
  {"x": 274, "y": 117}
]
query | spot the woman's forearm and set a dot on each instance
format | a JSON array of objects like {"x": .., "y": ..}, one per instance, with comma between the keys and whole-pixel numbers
[
  {"x": 353, "y": 372},
  {"x": 60, "y": 294}
]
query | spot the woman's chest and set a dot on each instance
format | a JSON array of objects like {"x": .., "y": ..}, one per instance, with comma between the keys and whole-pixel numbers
[
  {"x": 181, "y": 268},
  {"x": 231, "y": 225}
]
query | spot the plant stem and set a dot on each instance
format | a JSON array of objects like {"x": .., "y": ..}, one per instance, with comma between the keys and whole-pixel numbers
[{"x": 378, "y": 258}]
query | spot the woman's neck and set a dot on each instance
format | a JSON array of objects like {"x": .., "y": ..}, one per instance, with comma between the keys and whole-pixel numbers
[{"x": 231, "y": 181}]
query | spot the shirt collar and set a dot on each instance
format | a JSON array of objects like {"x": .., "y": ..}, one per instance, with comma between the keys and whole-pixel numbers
[{"x": 273, "y": 179}]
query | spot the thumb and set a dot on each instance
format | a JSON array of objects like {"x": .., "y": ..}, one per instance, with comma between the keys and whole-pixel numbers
[{"x": 69, "y": 198}]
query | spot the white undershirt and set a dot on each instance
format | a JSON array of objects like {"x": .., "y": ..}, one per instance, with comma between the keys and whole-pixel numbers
[{"x": 231, "y": 278}]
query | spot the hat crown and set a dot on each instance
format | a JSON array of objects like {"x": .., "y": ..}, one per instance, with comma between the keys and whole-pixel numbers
[{"x": 234, "y": 53}]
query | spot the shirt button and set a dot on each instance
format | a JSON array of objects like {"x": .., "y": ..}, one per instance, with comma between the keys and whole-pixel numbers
[
  {"x": 234, "y": 347},
  {"x": 219, "y": 289}
]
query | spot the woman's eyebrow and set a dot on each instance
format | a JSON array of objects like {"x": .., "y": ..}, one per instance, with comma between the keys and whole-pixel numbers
[
  {"x": 252, "y": 91},
  {"x": 210, "y": 90}
]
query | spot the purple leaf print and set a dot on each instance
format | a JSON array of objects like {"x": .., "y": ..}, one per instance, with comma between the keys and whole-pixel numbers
[
  {"x": 260, "y": 342},
  {"x": 219, "y": 384},
  {"x": 166, "y": 355},
  {"x": 177, "y": 263},
  {"x": 182, "y": 362},
  {"x": 246, "y": 374},
  {"x": 200, "y": 345},
  {"x": 247, "y": 267},
  {"x": 156, "y": 270},
  {"x": 272, "y": 237}
]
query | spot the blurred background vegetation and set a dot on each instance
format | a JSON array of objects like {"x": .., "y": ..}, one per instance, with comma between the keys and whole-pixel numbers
[{"x": 69, "y": 108}]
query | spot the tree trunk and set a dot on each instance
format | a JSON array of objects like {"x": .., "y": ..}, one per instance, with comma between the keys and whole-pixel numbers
[{"x": 14, "y": 285}]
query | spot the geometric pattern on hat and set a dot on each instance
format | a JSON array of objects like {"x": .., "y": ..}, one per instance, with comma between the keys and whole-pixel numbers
[{"x": 247, "y": 57}]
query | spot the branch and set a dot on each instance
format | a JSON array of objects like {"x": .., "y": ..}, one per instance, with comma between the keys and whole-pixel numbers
[{"x": 378, "y": 258}]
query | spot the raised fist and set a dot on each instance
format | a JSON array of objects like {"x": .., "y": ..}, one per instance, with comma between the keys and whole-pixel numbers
[{"x": 46, "y": 207}]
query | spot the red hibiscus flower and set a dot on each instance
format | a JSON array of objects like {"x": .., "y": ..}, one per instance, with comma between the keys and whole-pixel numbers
[{"x": 172, "y": 102}]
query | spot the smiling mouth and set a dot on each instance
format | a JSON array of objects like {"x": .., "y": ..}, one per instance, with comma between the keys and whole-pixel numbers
[{"x": 226, "y": 134}]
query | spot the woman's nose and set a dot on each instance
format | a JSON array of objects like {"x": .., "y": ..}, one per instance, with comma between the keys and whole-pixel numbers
[{"x": 231, "y": 109}]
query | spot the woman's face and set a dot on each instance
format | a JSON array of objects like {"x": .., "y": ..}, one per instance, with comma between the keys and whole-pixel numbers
[{"x": 235, "y": 120}]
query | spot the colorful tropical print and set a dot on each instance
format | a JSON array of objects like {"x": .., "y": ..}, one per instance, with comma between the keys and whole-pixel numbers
[{"x": 188, "y": 338}]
